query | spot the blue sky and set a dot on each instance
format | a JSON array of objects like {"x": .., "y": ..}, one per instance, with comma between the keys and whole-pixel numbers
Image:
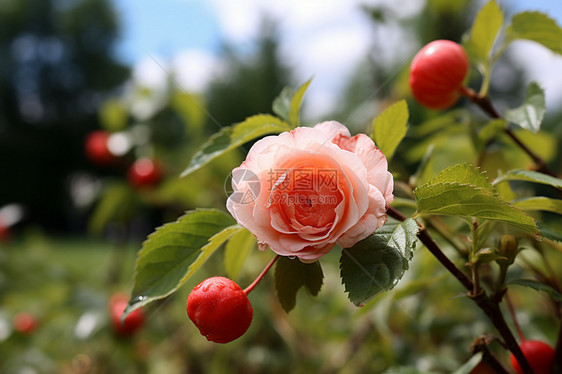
[
  {"x": 184, "y": 36},
  {"x": 165, "y": 27}
]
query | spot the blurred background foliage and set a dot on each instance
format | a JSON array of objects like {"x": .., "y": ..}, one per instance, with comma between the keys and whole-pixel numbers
[{"x": 83, "y": 223}]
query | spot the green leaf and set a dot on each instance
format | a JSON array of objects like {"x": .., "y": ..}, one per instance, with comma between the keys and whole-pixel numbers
[
  {"x": 231, "y": 137},
  {"x": 464, "y": 200},
  {"x": 296, "y": 103},
  {"x": 291, "y": 275},
  {"x": 236, "y": 251},
  {"x": 484, "y": 32},
  {"x": 461, "y": 190},
  {"x": 529, "y": 176},
  {"x": 540, "y": 203},
  {"x": 491, "y": 130},
  {"x": 390, "y": 127},
  {"x": 288, "y": 104},
  {"x": 538, "y": 286},
  {"x": 487, "y": 255},
  {"x": 537, "y": 27},
  {"x": 531, "y": 113},
  {"x": 172, "y": 254},
  {"x": 377, "y": 263},
  {"x": 551, "y": 233},
  {"x": 462, "y": 174},
  {"x": 468, "y": 367}
]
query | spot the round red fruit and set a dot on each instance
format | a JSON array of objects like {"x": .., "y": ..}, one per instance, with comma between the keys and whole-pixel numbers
[
  {"x": 97, "y": 150},
  {"x": 540, "y": 356},
  {"x": 145, "y": 172},
  {"x": 437, "y": 73},
  {"x": 24, "y": 323},
  {"x": 220, "y": 309},
  {"x": 134, "y": 321}
]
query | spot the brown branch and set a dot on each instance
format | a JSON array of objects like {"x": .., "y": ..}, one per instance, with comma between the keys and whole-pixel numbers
[
  {"x": 486, "y": 105},
  {"x": 489, "y": 307}
]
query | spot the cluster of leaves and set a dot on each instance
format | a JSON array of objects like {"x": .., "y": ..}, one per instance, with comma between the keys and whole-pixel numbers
[{"x": 483, "y": 197}]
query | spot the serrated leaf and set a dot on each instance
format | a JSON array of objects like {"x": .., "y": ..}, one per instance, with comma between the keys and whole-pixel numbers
[
  {"x": 462, "y": 174},
  {"x": 531, "y": 113},
  {"x": 288, "y": 104},
  {"x": 231, "y": 137},
  {"x": 529, "y": 176},
  {"x": 484, "y": 31},
  {"x": 172, "y": 254},
  {"x": 390, "y": 127},
  {"x": 464, "y": 200},
  {"x": 540, "y": 203},
  {"x": 537, "y": 286},
  {"x": 236, "y": 250},
  {"x": 537, "y": 27},
  {"x": 291, "y": 275},
  {"x": 378, "y": 262},
  {"x": 550, "y": 233}
]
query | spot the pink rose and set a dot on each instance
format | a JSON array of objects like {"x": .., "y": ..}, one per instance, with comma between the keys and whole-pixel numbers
[{"x": 305, "y": 190}]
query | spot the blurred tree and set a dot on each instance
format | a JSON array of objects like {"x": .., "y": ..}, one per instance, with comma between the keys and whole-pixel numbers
[
  {"x": 57, "y": 65},
  {"x": 250, "y": 83}
]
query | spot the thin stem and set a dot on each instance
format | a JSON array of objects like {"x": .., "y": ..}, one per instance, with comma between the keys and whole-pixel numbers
[
  {"x": 489, "y": 307},
  {"x": 514, "y": 317},
  {"x": 486, "y": 105},
  {"x": 474, "y": 264},
  {"x": 249, "y": 289}
]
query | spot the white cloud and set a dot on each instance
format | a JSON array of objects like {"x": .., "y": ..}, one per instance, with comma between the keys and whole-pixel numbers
[
  {"x": 542, "y": 66},
  {"x": 194, "y": 69},
  {"x": 324, "y": 39}
]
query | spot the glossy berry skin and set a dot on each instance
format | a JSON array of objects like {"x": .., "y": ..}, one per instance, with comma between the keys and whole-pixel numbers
[
  {"x": 540, "y": 356},
  {"x": 145, "y": 172},
  {"x": 96, "y": 148},
  {"x": 220, "y": 309},
  {"x": 24, "y": 323},
  {"x": 134, "y": 321},
  {"x": 437, "y": 73}
]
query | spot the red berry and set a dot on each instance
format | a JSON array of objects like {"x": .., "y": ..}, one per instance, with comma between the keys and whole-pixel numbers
[
  {"x": 144, "y": 173},
  {"x": 5, "y": 233},
  {"x": 540, "y": 356},
  {"x": 220, "y": 309},
  {"x": 24, "y": 323},
  {"x": 437, "y": 72},
  {"x": 97, "y": 150},
  {"x": 134, "y": 321}
]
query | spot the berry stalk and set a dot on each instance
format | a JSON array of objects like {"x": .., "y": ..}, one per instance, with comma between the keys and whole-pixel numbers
[{"x": 249, "y": 289}]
